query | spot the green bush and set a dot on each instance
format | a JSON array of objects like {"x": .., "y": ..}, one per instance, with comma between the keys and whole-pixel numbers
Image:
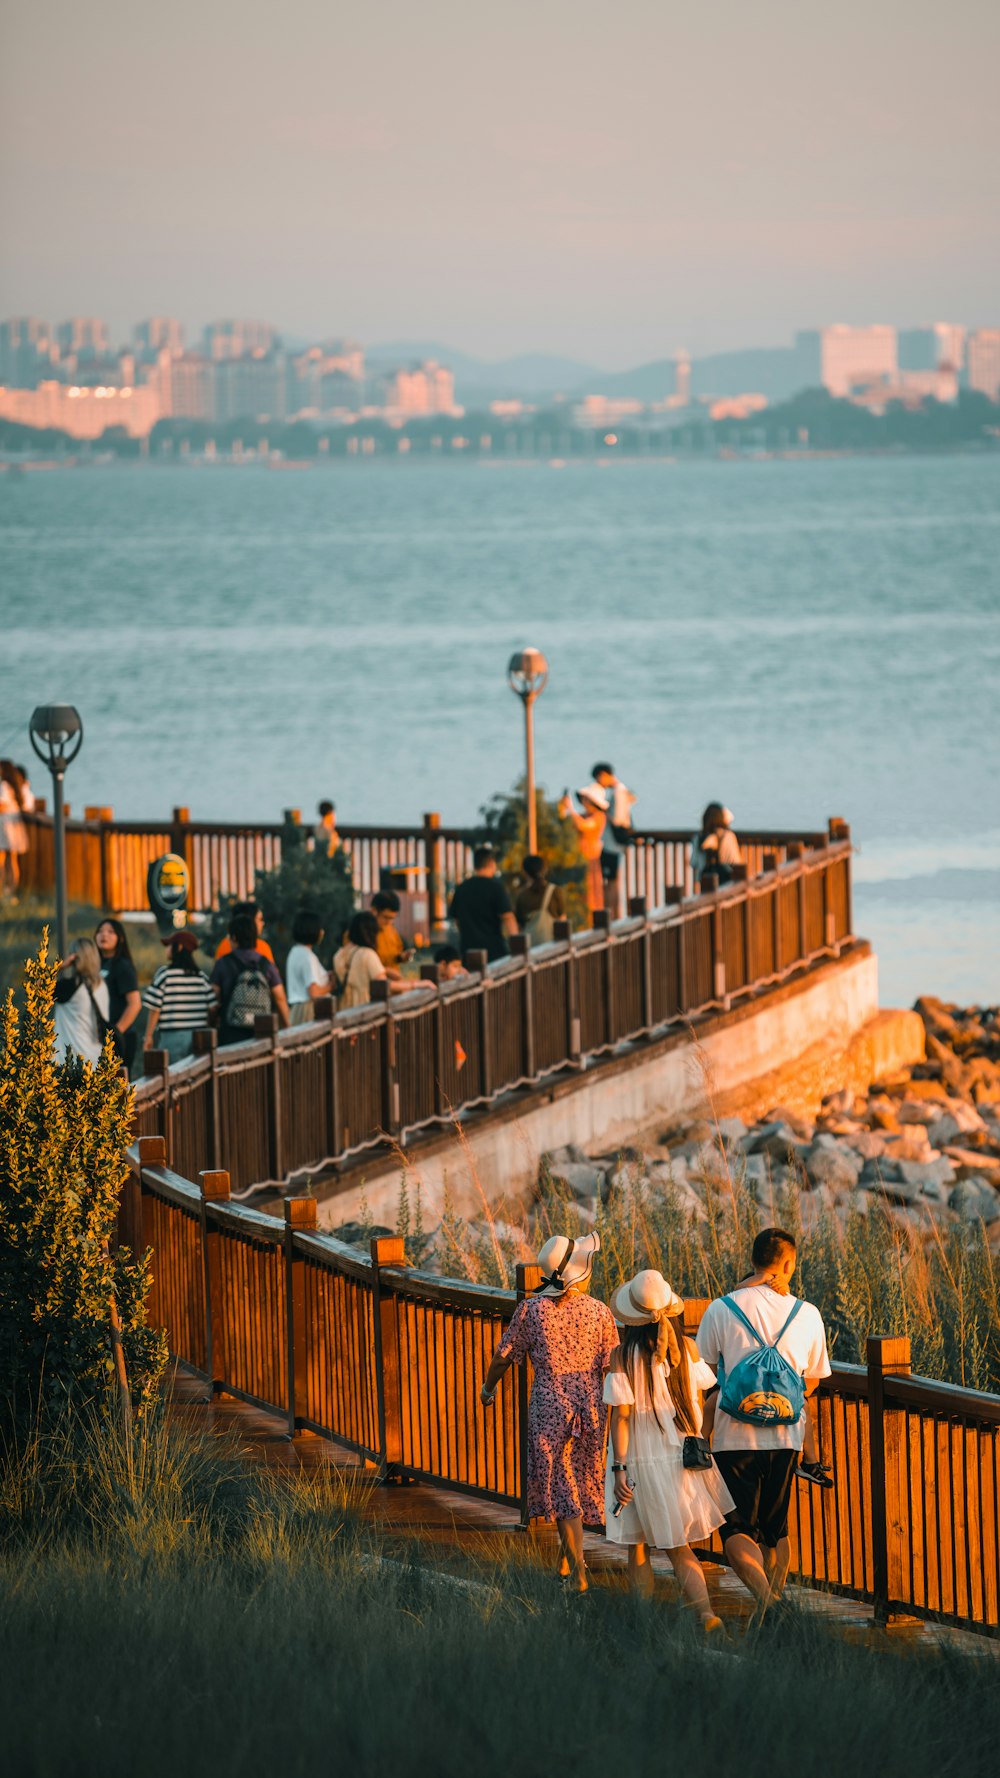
[
  {"x": 505, "y": 828},
  {"x": 303, "y": 879},
  {"x": 63, "y": 1132}
]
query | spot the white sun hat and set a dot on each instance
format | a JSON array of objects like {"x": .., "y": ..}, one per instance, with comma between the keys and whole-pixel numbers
[
  {"x": 644, "y": 1298},
  {"x": 565, "y": 1262},
  {"x": 595, "y": 793}
]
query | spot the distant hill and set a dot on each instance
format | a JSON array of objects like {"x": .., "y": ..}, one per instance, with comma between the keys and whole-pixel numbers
[
  {"x": 766, "y": 370},
  {"x": 532, "y": 375}
]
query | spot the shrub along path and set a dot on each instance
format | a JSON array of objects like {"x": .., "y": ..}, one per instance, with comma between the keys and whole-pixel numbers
[{"x": 460, "y": 1531}]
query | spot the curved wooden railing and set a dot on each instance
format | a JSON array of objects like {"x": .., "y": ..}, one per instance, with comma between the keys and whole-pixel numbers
[
  {"x": 295, "y": 1101},
  {"x": 107, "y": 860},
  {"x": 389, "y": 1361}
]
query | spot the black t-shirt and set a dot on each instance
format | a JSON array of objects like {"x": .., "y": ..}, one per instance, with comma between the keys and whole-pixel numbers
[
  {"x": 477, "y": 908},
  {"x": 122, "y": 980}
]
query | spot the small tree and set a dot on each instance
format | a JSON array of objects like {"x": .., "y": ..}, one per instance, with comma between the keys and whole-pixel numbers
[
  {"x": 505, "y": 826},
  {"x": 64, "y": 1128},
  {"x": 303, "y": 879}
]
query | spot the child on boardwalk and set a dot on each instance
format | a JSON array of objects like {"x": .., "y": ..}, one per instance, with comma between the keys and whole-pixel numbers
[{"x": 653, "y": 1389}]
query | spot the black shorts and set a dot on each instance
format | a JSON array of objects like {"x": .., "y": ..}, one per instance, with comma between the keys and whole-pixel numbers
[
  {"x": 611, "y": 863},
  {"x": 760, "y": 1483}
]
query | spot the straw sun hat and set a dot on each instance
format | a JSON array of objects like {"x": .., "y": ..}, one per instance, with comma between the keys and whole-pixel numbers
[
  {"x": 644, "y": 1298},
  {"x": 565, "y": 1262},
  {"x": 595, "y": 793}
]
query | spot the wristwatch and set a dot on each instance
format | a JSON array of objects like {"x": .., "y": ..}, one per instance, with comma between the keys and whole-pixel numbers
[{"x": 619, "y": 1468}]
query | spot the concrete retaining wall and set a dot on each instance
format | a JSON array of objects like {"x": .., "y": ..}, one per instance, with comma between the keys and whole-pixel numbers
[{"x": 789, "y": 1045}]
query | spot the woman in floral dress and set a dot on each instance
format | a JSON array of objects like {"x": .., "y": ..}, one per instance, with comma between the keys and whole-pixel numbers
[{"x": 569, "y": 1338}]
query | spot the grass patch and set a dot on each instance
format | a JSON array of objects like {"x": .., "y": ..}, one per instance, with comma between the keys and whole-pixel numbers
[
  {"x": 21, "y": 928},
  {"x": 168, "y": 1606}
]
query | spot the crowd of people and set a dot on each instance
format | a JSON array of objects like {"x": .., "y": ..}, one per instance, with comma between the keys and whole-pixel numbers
[
  {"x": 705, "y": 1435},
  {"x": 98, "y": 988}
]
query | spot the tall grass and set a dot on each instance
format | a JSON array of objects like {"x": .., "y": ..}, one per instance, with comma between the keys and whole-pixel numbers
[{"x": 184, "y": 1611}]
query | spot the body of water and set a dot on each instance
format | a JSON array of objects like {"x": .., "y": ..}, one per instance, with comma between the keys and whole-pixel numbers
[{"x": 798, "y": 639}]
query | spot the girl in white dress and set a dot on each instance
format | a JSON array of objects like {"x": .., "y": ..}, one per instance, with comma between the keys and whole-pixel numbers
[
  {"x": 653, "y": 1388},
  {"x": 80, "y": 996}
]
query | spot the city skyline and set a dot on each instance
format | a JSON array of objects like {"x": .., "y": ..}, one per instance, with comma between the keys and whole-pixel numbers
[{"x": 520, "y": 184}]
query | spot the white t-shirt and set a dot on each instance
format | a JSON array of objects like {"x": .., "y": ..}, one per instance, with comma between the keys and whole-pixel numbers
[
  {"x": 303, "y": 970},
  {"x": 357, "y": 967},
  {"x": 76, "y": 1025},
  {"x": 722, "y": 1337}
]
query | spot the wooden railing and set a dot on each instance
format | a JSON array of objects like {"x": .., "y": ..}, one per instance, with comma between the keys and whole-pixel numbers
[
  {"x": 389, "y": 1361},
  {"x": 295, "y": 1101},
  {"x": 107, "y": 860}
]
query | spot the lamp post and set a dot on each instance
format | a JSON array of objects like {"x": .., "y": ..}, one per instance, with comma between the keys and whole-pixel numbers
[
  {"x": 52, "y": 727},
  {"x": 527, "y": 672}
]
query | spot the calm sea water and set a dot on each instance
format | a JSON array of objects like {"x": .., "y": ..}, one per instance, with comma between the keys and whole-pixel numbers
[{"x": 799, "y": 639}]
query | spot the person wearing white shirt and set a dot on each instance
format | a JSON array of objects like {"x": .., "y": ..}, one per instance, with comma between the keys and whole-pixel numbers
[
  {"x": 305, "y": 976},
  {"x": 617, "y": 831},
  {"x": 758, "y": 1461}
]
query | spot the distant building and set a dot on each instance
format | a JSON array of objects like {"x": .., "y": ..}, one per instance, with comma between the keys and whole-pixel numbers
[
  {"x": 239, "y": 339},
  {"x": 188, "y": 386},
  {"x": 598, "y": 411},
  {"x": 682, "y": 380},
  {"x": 27, "y": 349},
  {"x": 249, "y": 388},
  {"x": 841, "y": 358},
  {"x": 83, "y": 412},
  {"x": 427, "y": 388},
  {"x": 326, "y": 378},
  {"x": 736, "y": 407},
  {"x": 983, "y": 362},
  {"x": 84, "y": 336},
  {"x": 909, "y": 389},
  {"x": 941, "y": 346},
  {"x": 159, "y": 334}
]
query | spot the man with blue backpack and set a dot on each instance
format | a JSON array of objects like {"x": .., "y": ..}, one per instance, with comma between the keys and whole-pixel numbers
[{"x": 768, "y": 1351}]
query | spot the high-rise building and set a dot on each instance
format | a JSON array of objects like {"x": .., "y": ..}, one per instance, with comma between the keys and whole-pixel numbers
[
  {"x": 239, "y": 339},
  {"x": 83, "y": 336},
  {"x": 427, "y": 388},
  {"x": 188, "y": 384},
  {"x": 841, "y": 358},
  {"x": 682, "y": 380},
  {"x": 326, "y": 377},
  {"x": 26, "y": 351},
  {"x": 983, "y": 362},
  {"x": 82, "y": 412},
  {"x": 160, "y": 333},
  {"x": 251, "y": 388},
  {"x": 940, "y": 346}
]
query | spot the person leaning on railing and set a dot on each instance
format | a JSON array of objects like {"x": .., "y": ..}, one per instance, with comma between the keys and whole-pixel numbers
[
  {"x": 357, "y": 965},
  {"x": 715, "y": 848}
]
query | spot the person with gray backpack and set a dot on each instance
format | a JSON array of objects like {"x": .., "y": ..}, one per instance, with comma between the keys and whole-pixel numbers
[
  {"x": 768, "y": 1351},
  {"x": 249, "y": 984}
]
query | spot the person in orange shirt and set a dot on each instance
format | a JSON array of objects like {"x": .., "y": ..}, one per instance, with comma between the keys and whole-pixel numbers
[
  {"x": 251, "y": 908},
  {"x": 390, "y": 945},
  {"x": 590, "y": 829}
]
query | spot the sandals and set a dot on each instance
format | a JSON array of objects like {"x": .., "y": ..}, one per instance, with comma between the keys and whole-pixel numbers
[{"x": 817, "y": 1473}]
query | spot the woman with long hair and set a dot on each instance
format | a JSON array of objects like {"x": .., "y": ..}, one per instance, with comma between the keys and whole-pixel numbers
[
  {"x": 358, "y": 964},
  {"x": 715, "y": 848},
  {"x": 653, "y": 1388},
  {"x": 119, "y": 973},
  {"x": 179, "y": 1000},
  {"x": 81, "y": 1004}
]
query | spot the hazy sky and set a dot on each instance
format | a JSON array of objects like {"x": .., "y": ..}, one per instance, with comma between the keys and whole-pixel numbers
[{"x": 608, "y": 180}]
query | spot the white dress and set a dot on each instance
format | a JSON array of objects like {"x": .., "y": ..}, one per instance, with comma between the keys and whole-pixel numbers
[{"x": 671, "y": 1505}]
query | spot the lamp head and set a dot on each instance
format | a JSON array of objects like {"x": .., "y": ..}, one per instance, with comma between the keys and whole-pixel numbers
[
  {"x": 527, "y": 672},
  {"x": 52, "y": 727}
]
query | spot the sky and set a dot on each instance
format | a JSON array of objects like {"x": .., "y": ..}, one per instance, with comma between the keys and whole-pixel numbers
[{"x": 611, "y": 182}]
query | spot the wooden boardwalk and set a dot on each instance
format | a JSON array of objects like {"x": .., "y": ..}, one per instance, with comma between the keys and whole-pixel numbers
[{"x": 456, "y": 1525}]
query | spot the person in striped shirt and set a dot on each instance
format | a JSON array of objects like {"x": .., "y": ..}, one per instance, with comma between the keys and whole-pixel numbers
[{"x": 179, "y": 1000}]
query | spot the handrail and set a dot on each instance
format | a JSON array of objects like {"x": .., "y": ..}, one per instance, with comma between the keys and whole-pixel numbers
[
  {"x": 291, "y": 1103},
  {"x": 389, "y": 1360}
]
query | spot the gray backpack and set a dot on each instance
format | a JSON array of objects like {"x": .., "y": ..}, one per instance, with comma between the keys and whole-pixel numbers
[{"x": 250, "y": 997}]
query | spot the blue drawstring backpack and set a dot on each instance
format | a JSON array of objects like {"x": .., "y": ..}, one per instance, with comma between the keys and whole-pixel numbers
[{"x": 764, "y": 1389}]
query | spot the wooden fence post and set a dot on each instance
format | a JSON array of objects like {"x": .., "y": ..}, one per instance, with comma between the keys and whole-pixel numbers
[
  {"x": 214, "y": 1190},
  {"x": 887, "y": 1355},
  {"x": 266, "y": 1025},
  {"x": 479, "y": 962},
  {"x": 437, "y": 910},
  {"x": 387, "y": 1250},
  {"x": 380, "y": 992},
  {"x": 526, "y": 1279},
  {"x": 206, "y": 1043},
  {"x": 300, "y": 1217},
  {"x": 326, "y": 1009},
  {"x": 563, "y": 932},
  {"x": 520, "y": 946},
  {"x": 157, "y": 1062},
  {"x": 637, "y": 911},
  {"x": 179, "y": 842}
]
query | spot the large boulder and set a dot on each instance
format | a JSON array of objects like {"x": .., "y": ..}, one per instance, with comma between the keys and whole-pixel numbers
[
  {"x": 733, "y": 1132},
  {"x": 975, "y": 1199},
  {"x": 912, "y": 1144},
  {"x": 867, "y": 1143},
  {"x": 584, "y": 1181},
  {"x": 930, "y": 1178},
  {"x": 778, "y": 1141},
  {"x": 960, "y": 1119},
  {"x": 833, "y": 1169}
]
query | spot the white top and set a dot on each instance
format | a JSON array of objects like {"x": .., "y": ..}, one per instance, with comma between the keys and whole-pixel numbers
[
  {"x": 722, "y": 1336},
  {"x": 619, "y": 1393},
  {"x": 358, "y": 967},
  {"x": 303, "y": 970},
  {"x": 671, "y": 1505},
  {"x": 76, "y": 1026}
]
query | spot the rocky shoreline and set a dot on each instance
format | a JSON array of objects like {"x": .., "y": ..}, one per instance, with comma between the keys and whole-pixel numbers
[{"x": 924, "y": 1143}]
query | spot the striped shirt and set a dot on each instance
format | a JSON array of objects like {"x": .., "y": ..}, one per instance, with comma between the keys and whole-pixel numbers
[{"x": 182, "y": 1000}]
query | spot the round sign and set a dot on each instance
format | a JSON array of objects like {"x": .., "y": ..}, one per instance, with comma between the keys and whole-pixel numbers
[{"x": 167, "y": 884}]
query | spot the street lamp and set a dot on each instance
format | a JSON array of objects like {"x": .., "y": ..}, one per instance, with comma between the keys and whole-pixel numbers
[
  {"x": 52, "y": 726},
  {"x": 527, "y": 672}
]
